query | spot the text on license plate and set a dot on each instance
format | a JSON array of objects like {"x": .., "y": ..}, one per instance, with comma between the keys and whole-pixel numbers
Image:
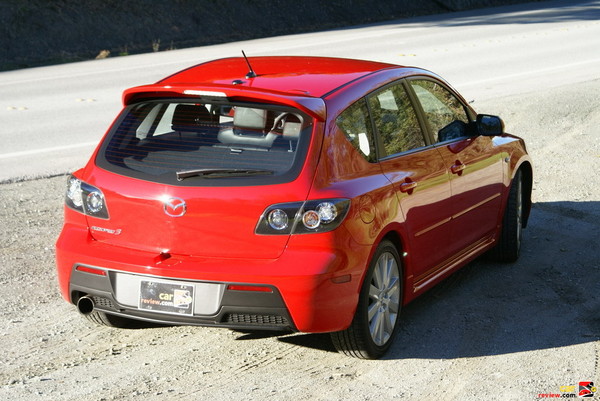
[{"x": 174, "y": 298}]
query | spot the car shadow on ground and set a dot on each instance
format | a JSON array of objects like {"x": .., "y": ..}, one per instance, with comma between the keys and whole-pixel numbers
[
  {"x": 547, "y": 299},
  {"x": 320, "y": 341}
]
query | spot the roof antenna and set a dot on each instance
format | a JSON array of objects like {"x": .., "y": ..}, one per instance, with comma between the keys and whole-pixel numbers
[{"x": 251, "y": 73}]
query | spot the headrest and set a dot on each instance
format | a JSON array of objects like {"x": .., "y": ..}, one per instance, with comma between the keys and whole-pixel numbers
[
  {"x": 190, "y": 117},
  {"x": 291, "y": 130},
  {"x": 245, "y": 117},
  {"x": 291, "y": 127}
]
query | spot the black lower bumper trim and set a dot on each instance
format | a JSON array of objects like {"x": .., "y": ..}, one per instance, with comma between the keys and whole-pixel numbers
[
  {"x": 239, "y": 309},
  {"x": 234, "y": 317}
]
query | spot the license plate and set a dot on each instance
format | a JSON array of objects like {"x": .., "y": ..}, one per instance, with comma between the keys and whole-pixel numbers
[{"x": 173, "y": 298}]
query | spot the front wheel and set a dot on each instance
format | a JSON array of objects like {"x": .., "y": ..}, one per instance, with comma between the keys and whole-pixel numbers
[
  {"x": 509, "y": 245},
  {"x": 375, "y": 322}
]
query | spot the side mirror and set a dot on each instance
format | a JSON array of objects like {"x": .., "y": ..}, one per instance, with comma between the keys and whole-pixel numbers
[{"x": 488, "y": 125}]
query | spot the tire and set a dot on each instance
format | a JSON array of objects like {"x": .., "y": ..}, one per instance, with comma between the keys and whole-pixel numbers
[
  {"x": 106, "y": 319},
  {"x": 375, "y": 322},
  {"x": 509, "y": 245}
]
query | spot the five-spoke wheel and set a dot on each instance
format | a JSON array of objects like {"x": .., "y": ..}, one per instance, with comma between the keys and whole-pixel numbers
[{"x": 376, "y": 320}]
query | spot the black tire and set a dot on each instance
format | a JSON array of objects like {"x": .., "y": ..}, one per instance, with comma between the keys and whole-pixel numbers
[
  {"x": 106, "y": 319},
  {"x": 375, "y": 322},
  {"x": 509, "y": 245}
]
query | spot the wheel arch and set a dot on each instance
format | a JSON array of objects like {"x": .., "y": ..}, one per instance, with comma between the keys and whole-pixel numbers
[
  {"x": 395, "y": 238},
  {"x": 395, "y": 235}
]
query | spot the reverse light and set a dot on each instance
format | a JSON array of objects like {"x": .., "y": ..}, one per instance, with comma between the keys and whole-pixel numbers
[
  {"x": 314, "y": 216},
  {"x": 327, "y": 212},
  {"x": 85, "y": 198},
  {"x": 278, "y": 219},
  {"x": 95, "y": 201}
]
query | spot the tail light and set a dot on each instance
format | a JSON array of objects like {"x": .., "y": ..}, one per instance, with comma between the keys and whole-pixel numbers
[
  {"x": 85, "y": 198},
  {"x": 314, "y": 216}
]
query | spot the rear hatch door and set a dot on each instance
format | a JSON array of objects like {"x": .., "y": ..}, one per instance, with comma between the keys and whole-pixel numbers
[{"x": 211, "y": 222}]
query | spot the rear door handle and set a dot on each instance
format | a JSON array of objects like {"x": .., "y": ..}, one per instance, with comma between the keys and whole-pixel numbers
[
  {"x": 457, "y": 168},
  {"x": 408, "y": 187}
]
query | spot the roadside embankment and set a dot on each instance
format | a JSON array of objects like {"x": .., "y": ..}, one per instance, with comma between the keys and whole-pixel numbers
[{"x": 40, "y": 32}]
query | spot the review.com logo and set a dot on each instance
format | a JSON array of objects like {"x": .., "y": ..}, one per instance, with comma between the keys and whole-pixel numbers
[{"x": 586, "y": 390}]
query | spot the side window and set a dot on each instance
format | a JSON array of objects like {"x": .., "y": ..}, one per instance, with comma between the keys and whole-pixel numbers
[
  {"x": 355, "y": 124},
  {"x": 395, "y": 120},
  {"x": 445, "y": 114}
]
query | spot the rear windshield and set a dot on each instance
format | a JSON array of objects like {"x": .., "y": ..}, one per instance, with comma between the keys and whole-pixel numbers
[{"x": 184, "y": 143}]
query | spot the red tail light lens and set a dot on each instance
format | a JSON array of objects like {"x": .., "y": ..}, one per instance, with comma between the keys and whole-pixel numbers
[
  {"x": 91, "y": 270},
  {"x": 251, "y": 288}
]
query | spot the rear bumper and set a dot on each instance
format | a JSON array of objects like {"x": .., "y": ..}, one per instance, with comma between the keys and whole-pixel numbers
[
  {"x": 314, "y": 284},
  {"x": 215, "y": 303}
]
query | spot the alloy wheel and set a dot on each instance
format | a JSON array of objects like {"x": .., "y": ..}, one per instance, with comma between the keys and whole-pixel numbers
[{"x": 384, "y": 299}]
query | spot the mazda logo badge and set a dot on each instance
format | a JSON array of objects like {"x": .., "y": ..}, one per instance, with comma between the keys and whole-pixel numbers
[{"x": 174, "y": 207}]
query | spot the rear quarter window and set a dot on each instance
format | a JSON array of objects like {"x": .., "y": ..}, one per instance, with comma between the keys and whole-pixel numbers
[{"x": 356, "y": 125}]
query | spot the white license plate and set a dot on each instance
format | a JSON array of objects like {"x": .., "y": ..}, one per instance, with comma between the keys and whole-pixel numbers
[{"x": 163, "y": 297}]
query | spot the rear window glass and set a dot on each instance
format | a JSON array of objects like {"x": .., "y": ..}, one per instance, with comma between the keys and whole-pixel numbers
[{"x": 207, "y": 144}]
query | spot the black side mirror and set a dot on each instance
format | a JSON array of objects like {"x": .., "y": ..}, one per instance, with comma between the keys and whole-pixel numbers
[{"x": 488, "y": 125}]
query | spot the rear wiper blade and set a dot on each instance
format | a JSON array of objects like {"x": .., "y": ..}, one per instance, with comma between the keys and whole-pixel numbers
[{"x": 220, "y": 172}]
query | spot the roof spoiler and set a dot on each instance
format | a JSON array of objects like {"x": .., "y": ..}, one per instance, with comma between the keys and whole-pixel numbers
[{"x": 313, "y": 106}]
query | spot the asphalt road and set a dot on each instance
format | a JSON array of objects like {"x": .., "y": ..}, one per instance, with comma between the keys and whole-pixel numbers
[
  {"x": 521, "y": 331},
  {"x": 52, "y": 117}
]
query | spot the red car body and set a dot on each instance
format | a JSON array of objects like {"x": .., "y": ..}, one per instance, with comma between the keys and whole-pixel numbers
[{"x": 440, "y": 205}]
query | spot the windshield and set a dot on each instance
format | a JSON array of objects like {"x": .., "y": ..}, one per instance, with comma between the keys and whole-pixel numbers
[{"x": 184, "y": 143}]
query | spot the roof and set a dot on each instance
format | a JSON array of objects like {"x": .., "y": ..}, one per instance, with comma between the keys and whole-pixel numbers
[{"x": 294, "y": 75}]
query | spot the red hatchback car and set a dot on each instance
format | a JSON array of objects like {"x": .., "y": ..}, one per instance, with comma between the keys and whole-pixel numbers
[{"x": 289, "y": 193}]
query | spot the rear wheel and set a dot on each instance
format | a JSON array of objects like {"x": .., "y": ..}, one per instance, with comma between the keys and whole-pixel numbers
[
  {"x": 376, "y": 320},
  {"x": 509, "y": 245}
]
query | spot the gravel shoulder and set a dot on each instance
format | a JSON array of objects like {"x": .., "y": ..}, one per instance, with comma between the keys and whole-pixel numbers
[{"x": 491, "y": 331}]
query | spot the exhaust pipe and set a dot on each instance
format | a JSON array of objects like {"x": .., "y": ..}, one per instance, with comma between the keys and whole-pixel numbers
[{"x": 85, "y": 305}]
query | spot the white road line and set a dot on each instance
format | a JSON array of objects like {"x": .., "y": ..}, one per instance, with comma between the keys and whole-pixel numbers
[
  {"x": 538, "y": 71},
  {"x": 46, "y": 150}
]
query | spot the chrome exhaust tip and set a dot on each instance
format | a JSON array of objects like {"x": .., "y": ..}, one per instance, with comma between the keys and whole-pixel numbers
[{"x": 85, "y": 305}]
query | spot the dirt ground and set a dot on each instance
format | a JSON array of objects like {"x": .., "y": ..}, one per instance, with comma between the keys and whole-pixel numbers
[{"x": 490, "y": 332}]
